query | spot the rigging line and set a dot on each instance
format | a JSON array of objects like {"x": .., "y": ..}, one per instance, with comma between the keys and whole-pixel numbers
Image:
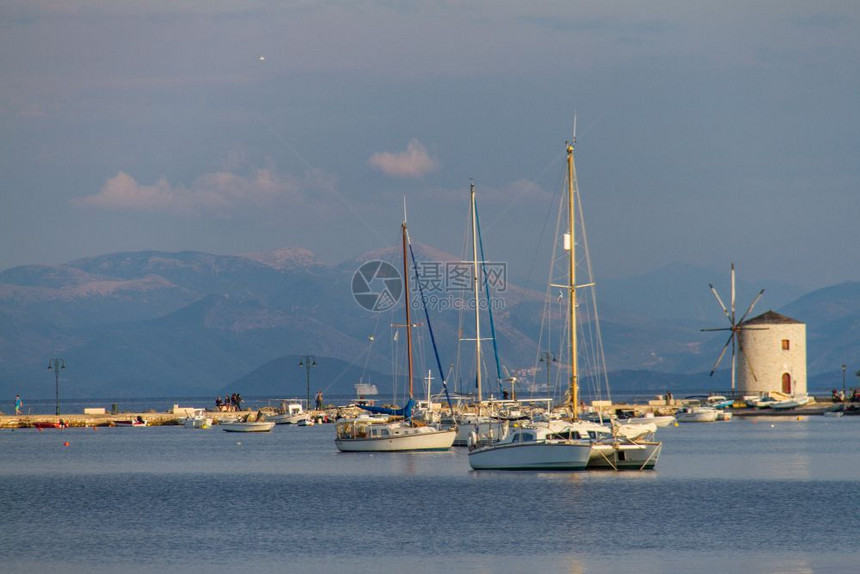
[
  {"x": 420, "y": 358},
  {"x": 596, "y": 121},
  {"x": 461, "y": 311},
  {"x": 546, "y": 316},
  {"x": 395, "y": 361},
  {"x": 510, "y": 204},
  {"x": 563, "y": 389},
  {"x": 429, "y": 325},
  {"x": 539, "y": 245},
  {"x": 489, "y": 306},
  {"x": 370, "y": 346},
  {"x": 389, "y": 255},
  {"x": 593, "y": 293},
  {"x": 346, "y": 203}
]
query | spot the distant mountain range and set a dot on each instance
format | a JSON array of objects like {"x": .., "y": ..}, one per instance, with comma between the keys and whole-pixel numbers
[{"x": 182, "y": 324}]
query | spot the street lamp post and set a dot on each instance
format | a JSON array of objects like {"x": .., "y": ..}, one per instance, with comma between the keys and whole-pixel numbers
[
  {"x": 57, "y": 365},
  {"x": 308, "y": 362},
  {"x": 843, "y": 383}
]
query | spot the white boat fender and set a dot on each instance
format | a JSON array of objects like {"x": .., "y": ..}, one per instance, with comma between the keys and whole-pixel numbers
[{"x": 472, "y": 442}]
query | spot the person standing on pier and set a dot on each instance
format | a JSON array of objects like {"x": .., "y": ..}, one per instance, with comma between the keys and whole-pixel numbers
[
  {"x": 319, "y": 399},
  {"x": 18, "y": 404}
]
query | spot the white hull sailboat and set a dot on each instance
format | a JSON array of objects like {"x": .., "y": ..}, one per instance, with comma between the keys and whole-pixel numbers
[
  {"x": 529, "y": 448},
  {"x": 377, "y": 434},
  {"x": 575, "y": 445},
  {"x": 532, "y": 449}
]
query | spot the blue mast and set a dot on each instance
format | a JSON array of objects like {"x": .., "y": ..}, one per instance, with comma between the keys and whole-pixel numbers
[{"x": 489, "y": 307}]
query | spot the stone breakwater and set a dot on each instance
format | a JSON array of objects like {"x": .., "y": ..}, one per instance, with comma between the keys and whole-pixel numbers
[
  {"x": 176, "y": 418},
  {"x": 107, "y": 420}
]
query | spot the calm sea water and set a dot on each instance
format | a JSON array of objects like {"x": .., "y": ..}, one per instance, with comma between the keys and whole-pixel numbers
[{"x": 775, "y": 495}]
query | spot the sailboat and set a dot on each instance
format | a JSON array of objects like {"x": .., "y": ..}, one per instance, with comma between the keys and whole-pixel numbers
[
  {"x": 398, "y": 431},
  {"x": 479, "y": 421},
  {"x": 542, "y": 446},
  {"x": 575, "y": 444},
  {"x": 623, "y": 447}
]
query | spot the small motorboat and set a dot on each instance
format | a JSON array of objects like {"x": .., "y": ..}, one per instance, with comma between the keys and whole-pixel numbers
[
  {"x": 762, "y": 402},
  {"x": 696, "y": 414},
  {"x": 136, "y": 422},
  {"x": 196, "y": 420},
  {"x": 719, "y": 402},
  {"x": 50, "y": 425},
  {"x": 650, "y": 417},
  {"x": 248, "y": 426},
  {"x": 791, "y": 403},
  {"x": 291, "y": 413}
]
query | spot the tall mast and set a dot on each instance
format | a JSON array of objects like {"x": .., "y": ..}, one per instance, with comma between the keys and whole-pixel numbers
[
  {"x": 408, "y": 317},
  {"x": 571, "y": 190},
  {"x": 477, "y": 290}
]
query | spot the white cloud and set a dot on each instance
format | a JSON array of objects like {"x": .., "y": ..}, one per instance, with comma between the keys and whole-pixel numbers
[
  {"x": 414, "y": 162},
  {"x": 219, "y": 192}
]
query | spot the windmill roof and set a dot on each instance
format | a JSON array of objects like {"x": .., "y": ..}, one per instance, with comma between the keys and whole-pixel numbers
[{"x": 771, "y": 318}]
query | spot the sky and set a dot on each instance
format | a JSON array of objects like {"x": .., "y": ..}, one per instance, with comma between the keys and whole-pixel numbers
[{"x": 706, "y": 132}]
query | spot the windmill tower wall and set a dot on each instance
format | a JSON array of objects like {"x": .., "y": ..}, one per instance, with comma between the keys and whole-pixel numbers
[{"x": 773, "y": 349}]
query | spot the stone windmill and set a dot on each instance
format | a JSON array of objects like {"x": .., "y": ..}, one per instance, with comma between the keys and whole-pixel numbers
[{"x": 735, "y": 327}]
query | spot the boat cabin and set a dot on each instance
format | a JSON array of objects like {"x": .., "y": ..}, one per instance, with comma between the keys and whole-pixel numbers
[
  {"x": 524, "y": 435},
  {"x": 361, "y": 427},
  {"x": 294, "y": 409},
  {"x": 574, "y": 434}
]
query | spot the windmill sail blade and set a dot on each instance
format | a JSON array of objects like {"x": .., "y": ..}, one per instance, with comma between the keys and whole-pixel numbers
[
  {"x": 720, "y": 301},
  {"x": 757, "y": 297},
  {"x": 722, "y": 354},
  {"x": 746, "y": 360},
  {"x": 736, "y": 327}
]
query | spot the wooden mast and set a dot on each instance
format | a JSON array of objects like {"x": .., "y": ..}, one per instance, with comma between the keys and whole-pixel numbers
[
  {"x": 408, "y": 317},
  {"x": 571, "y": 190},
  {"x": 477, "y": 287}
]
